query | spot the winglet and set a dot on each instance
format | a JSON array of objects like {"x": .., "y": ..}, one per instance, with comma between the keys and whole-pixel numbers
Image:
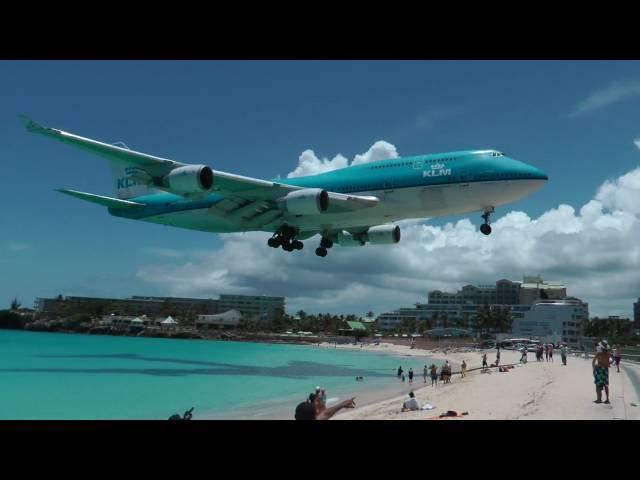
[{"x": 31, "y": 125}]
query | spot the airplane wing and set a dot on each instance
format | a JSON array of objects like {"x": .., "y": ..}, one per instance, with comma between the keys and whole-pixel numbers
[{"x": 244, "y": 197}]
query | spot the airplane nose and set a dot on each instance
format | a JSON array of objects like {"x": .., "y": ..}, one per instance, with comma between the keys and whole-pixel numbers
[{"x": 539, "y": 174}]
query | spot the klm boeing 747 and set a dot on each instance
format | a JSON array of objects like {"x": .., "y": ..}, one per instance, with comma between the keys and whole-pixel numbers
[{"x": 351, "y": 206}]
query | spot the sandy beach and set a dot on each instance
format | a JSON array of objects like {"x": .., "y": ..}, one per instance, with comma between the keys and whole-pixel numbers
[{"x": 534, "y": 391}]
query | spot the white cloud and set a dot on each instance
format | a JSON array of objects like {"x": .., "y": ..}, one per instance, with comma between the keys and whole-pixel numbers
[
  {"x": 594, "y": 249},
  {"x": 637, "y": 143},
  {"x": 614, "y": 93},
  {"x": 310, "y": 164}
]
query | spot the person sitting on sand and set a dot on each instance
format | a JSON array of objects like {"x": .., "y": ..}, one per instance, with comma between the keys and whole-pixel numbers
[
  {"x": 309, "y": 410},
  {"x": 463, "y": 369},
  {"x": 434, "y": 375},
  {"x": 411, "y": 403},
  {"x": 600, "y": 365}
]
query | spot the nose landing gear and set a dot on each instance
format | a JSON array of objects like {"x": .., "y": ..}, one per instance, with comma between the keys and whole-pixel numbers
[{"x": 485, "y": 228}]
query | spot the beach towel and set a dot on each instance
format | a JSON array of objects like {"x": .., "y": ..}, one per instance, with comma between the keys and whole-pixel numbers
[{"x": 427, "y": 406}]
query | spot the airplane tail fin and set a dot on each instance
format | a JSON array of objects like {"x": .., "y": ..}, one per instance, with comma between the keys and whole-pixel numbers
[{"x": 101, "y": 200}]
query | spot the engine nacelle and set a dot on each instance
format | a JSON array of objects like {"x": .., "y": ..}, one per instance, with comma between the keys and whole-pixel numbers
[
  {"x": 345, "y": 239},
  {"x": 308, "y": 201},
  {"x": 189, "y": 179},
  {"x": 383, "y": 234}
]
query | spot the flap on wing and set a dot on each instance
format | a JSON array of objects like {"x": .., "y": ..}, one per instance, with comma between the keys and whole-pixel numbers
[{"x": 101, "y": 200}]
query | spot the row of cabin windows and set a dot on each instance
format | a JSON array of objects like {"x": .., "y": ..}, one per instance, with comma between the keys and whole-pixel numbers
[{"x": 406, "y": 164}]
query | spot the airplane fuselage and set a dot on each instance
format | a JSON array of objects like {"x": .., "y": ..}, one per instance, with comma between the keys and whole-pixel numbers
[{"x": 407, "y": 188}]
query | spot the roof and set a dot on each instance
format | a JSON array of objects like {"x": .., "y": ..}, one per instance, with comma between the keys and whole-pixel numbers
[{"x": 356, "y": 326}]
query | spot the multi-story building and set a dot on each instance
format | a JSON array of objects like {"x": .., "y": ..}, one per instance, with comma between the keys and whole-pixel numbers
[
  {"x": 553, "y": 318},
  {"x": 534, "y": 288},
  {"x": 504, "y": 292},
  {"x": 258, "y": 307}
]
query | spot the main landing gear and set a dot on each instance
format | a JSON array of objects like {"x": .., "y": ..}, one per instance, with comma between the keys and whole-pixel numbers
[
  {"x": 325, "y": 244},
  {"x": 485, "y": 228},
  {"x": 285, "y": 238}
]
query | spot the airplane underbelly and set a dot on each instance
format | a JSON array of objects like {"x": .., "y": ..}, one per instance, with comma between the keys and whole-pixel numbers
[{"x": 199, "y": 219}]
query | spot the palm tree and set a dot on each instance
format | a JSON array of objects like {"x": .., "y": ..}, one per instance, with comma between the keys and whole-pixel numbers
[{"x": 15, "y": 304}]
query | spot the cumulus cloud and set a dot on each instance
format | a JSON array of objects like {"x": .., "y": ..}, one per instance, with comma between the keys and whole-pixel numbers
[
  {"x": 614, "y": 93},
  {"x": 637, "y": 143},
  {"x": 310, "y": 164},
  {"x": 594, "y": 249}
]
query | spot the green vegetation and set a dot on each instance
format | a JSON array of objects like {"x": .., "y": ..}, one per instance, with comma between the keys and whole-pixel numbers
[{"x": 615, "y": 331}]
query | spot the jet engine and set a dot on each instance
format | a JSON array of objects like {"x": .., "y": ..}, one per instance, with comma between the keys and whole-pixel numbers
[
  {"x": 383, "y": 234},
  {"x": 189, "y": 179},
  {"x": 308, "y": 201}
]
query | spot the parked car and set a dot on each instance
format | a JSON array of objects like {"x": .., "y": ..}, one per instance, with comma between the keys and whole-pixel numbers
[{"x": 532, "y": 348}]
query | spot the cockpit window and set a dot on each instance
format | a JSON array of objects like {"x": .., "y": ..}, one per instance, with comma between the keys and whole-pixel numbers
[{"x": 497, "y": 154}]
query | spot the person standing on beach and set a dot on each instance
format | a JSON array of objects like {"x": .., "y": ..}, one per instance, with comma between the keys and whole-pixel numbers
[
  {"x": 617, "y": 356},
  {"x": 434, "y": 375},
  {"x": 484, "y": 361},
  {"x": 551, "y": 352},
  {"x": 399, "y": 371},
  {"x": 424, "y": 373},
  {"x": 564, "y": 350},
  {"x": 600, "y": 365},
  {"x": 546, "y": 351},
  {"x": 410, "y": 375},
  {"x": 498, "y": 357},
  {"x": 463, "y": 369}
]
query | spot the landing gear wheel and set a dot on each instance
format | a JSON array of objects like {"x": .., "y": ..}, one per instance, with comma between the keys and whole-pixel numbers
[
  {"x": 326, "y": 243},
  {"x": 287, "y": 247},
  {"x": 485, "y": 229},
  {"x": 273, "y": 242},
  {"x": 297, "y": 244},
  {"x": 321, "y": 252}
]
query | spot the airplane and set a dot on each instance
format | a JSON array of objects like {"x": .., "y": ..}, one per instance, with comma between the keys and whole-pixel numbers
[{"x": 351, "y": 206}]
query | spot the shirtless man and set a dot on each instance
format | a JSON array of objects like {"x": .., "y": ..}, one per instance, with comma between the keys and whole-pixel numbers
[{"x": 600, "y": 364}]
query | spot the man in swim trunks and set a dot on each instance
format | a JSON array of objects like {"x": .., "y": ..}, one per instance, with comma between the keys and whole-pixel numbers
[
  {"x": 600, "y": 364},
  {"x": 434, "y": 375}
]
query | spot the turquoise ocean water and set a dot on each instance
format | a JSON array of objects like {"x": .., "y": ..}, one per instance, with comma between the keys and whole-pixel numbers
[{"x": 52, "y": 376}]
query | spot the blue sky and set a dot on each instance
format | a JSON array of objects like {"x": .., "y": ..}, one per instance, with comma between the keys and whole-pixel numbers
[{"x": 575, "y": 120}]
